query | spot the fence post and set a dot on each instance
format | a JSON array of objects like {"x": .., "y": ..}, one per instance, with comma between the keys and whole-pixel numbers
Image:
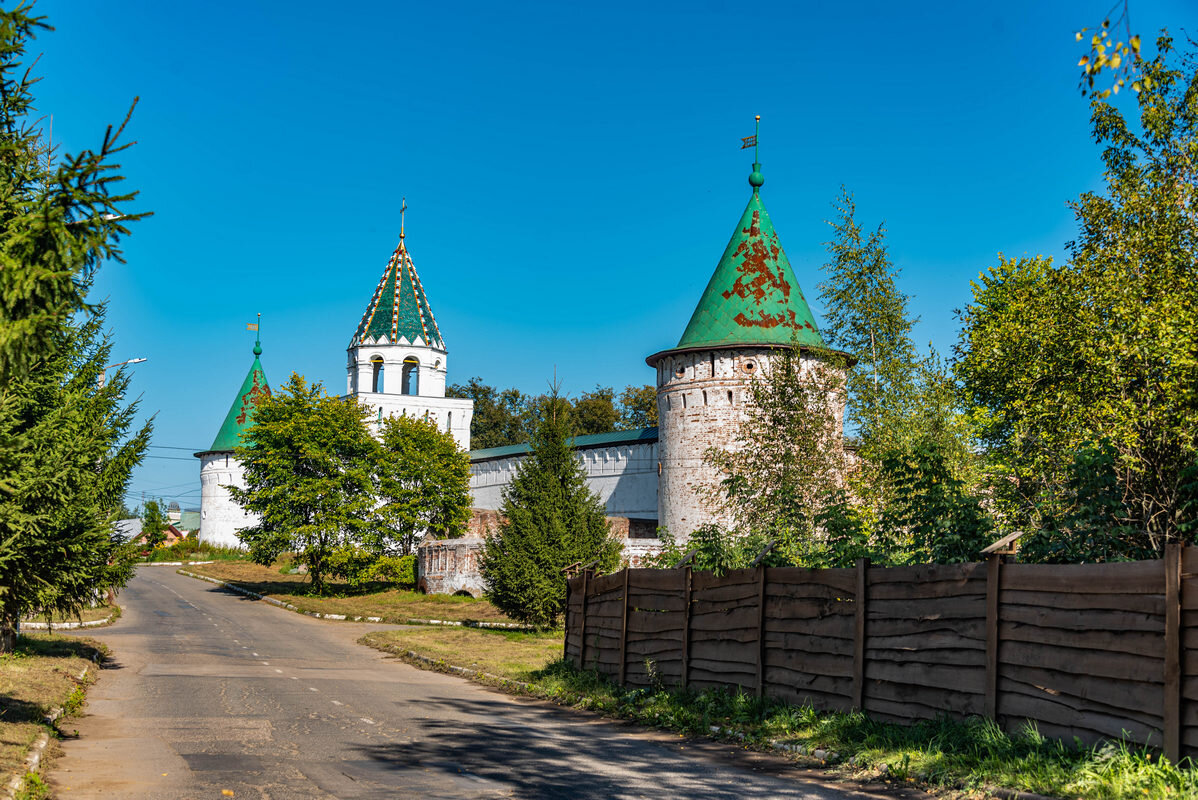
[
  {"x": 582, "y": 627},
  {"x": 566, "y": 638},
  {"x": 761, "y": 630},
  {"x": 860, "y": 599},
  {"x": 1172, "y": 695},
  {"x": 624, "y": 631},
  {"x": 993, "y": 577},
  {"x": 686, "y": 631}
]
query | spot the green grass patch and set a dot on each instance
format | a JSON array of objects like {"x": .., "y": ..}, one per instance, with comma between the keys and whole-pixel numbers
[
  {"x": 941, "y": 754},
  {"x": 375, "y": 600},
  {"x": 37, "y": 677},
  {"x": 100, "y": 612},
  {"x": 508, "y": 654},
  {"x": 190, "y": 549}
]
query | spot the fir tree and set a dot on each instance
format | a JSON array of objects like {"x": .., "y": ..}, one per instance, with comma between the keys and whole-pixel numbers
[
  {"x": 66, "y": 465},
  {"x": 308, "y": 463},
  {"x": 550, "y": 520}
]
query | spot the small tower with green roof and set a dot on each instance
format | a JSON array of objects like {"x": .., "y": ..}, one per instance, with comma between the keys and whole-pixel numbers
[
  {"x": 220, "y": 515},
  {"x": 752, "y": 306},
  {"x": 397, "y": 359}
]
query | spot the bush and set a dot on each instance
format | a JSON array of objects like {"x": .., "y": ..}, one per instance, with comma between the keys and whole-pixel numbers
[
  {"x": 399, "y": 570},
  {"x": 359, "y": 567}
]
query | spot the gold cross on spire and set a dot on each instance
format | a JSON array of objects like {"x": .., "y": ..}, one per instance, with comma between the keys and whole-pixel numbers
[{"x": 403, "y": 206}]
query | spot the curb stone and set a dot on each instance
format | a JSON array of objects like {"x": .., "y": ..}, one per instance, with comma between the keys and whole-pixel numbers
[
  {"x": 17, "y": 782},
  {"x": 66, "y": 626},
  {"x": 345, "y": 617}
]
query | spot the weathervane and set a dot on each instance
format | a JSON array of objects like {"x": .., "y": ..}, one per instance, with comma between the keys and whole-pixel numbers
[{"x": 751, "y": 141}]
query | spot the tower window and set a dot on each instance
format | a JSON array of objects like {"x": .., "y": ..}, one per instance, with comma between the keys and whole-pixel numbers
[
  {"x": 729, "y": 397},
  {"x": 411, "y": 376},
  {"x": 376, "y": 380}
]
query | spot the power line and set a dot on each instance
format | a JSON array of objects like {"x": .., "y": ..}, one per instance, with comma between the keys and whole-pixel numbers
[
  {"x": 171, "y": 458},
  {"x": 168, "y": 447}
]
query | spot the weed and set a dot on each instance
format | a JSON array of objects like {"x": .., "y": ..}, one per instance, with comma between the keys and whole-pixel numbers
[{"x": 34, "y": 789}]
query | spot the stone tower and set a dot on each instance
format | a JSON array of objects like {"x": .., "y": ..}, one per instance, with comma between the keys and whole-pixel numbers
[
  {"x": 397, "y": 359},
  {"x": 752, "y": 307},
  {"x": 220, "y": 516}
]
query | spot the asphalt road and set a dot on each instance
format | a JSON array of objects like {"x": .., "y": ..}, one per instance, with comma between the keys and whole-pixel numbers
[{"x": 208, "y": 692}]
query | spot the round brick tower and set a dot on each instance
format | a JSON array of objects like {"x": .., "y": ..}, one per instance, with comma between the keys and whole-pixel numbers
[{"x": 752, "y": 307}]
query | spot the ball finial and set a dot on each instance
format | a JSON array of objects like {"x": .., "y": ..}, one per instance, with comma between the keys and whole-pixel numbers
[
  {"x": 257, "y": 349},
  {"x": 756, "y": 179}
]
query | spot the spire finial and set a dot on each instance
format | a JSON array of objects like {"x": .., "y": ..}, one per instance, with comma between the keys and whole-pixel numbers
[
  {"x": 757, "y": 179},
  {"x": 403, "y": 206},
  {"x": 258, "y": 338}
]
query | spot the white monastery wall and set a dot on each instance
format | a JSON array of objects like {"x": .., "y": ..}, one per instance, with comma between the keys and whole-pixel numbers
[
  {"x": 623, "y": 475},
  {"x": 220, "y": 515},
  {"x": 451, "y": 414}
]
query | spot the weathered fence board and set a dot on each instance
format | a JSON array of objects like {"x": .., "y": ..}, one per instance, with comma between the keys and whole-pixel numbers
[{"x": 1080, "y": 650}]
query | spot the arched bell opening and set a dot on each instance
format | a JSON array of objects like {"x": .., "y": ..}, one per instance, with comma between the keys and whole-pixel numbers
[
  {"x": 376, "y": 374},
  {"x": 411, "y": 376}
]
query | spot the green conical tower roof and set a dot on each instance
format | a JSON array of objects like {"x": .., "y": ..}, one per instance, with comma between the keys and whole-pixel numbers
[
  {"x": 753, "y": 297},
  {"x": 399, "y": 312},
  {"x": 241, "y": 415}
]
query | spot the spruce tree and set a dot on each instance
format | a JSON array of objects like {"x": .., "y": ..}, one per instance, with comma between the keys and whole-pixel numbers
[
  {"x": 550, "y": 520},
  {"x": 66, "y": 461}
]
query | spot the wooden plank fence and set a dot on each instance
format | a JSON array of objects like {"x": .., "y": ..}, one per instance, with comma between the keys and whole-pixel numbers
[{"x": 1091, "y": 651}]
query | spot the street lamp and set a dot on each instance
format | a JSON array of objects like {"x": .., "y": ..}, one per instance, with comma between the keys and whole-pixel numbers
[{"x": 104, "y": 372}]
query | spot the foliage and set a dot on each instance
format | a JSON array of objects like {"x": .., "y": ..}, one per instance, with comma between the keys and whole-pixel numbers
[
  {"x": 60, "y": 220},
  {"x": 190, "y": 548},
  {"x": 1121, "y": 58},
  {"x": 500, "y": 417},
  {"x": 307, "y": 462},
  {"x": 360, "y": 568},
  {"x": 67, "y": 459},
  {"x": 638, "y": 407},
  {"x": 1059, "y": 363},
  {"x": 153, "y": 524},
  {"x": 509, "y": 417},
  {"x": 423, "y": 485},
  {"x": 595, "y": 412},
  {"x": 788, "y": 455},
  {"x": 64, "y": 460},
  {"x": 867, "y": 317},
  {"x": 550, "y": 519},
  {"x": 710, "y": 549}
]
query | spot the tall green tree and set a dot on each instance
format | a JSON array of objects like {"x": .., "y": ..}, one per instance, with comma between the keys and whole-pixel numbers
[
  {"x": 788, "y": 456},
  {"x": 308, "y": 463},
  {"x": 868, "y": 318},
  {"x": 60, "y": 220},
  {"x": 638, "y": 407},
  {"x": 595, "y": 412},
  {"x": 67, "y": 457},
  {"x": 550, "y": 520},
  {"x": 1063, "y": 362},
  {"x": 153, "y": 524},
  {"x": 423, "y": 484}
]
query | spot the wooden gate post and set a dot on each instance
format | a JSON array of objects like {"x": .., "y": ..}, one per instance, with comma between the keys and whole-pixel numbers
[
  {"x": 582, "y": 627},
  {"x": 1172, "y": 693},
  {"x": 860, "y": 599},
  {"x": 686, "y": 630},
  {"x": 624, "y": 631},
  {"x": 761, "y": 630},
  {"x": 993, "y": 605}
]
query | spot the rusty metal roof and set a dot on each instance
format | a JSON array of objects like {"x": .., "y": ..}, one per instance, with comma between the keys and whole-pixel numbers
[
  {"x": 241, "y": 415},
  {"x": 753, "y": 297},
  {"x": 399, "y": 312}
]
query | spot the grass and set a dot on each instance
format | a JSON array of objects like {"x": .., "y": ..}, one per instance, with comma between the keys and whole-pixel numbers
[
  {"x": 950, "y": 756},
  {"x": 36, "y": 678},
  {"x": 393, "y": 605},
  {"x": 508, "y": 654},
  {"x": 190, "y": 549},
  {"x": 100, "y": 612}
]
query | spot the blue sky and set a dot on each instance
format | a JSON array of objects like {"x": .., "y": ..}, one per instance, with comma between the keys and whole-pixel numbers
[{"x": 572, "y": 171}]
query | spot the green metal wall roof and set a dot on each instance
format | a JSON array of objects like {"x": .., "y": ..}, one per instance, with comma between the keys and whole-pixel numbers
[
  {"x": 753, "y": 296},
  {"x": 399, "y": 311},
  {"x": 578, "y": 443},
  {"x": 241, "y": 415}
]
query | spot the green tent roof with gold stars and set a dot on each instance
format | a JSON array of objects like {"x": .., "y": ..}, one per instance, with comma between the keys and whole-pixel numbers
[{"x": 398, "y": 312}]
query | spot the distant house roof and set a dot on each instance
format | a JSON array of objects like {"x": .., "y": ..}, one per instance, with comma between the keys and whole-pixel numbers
[
  {"x": 126, "y": 529},
  {"x": 588, "y": 442}
]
